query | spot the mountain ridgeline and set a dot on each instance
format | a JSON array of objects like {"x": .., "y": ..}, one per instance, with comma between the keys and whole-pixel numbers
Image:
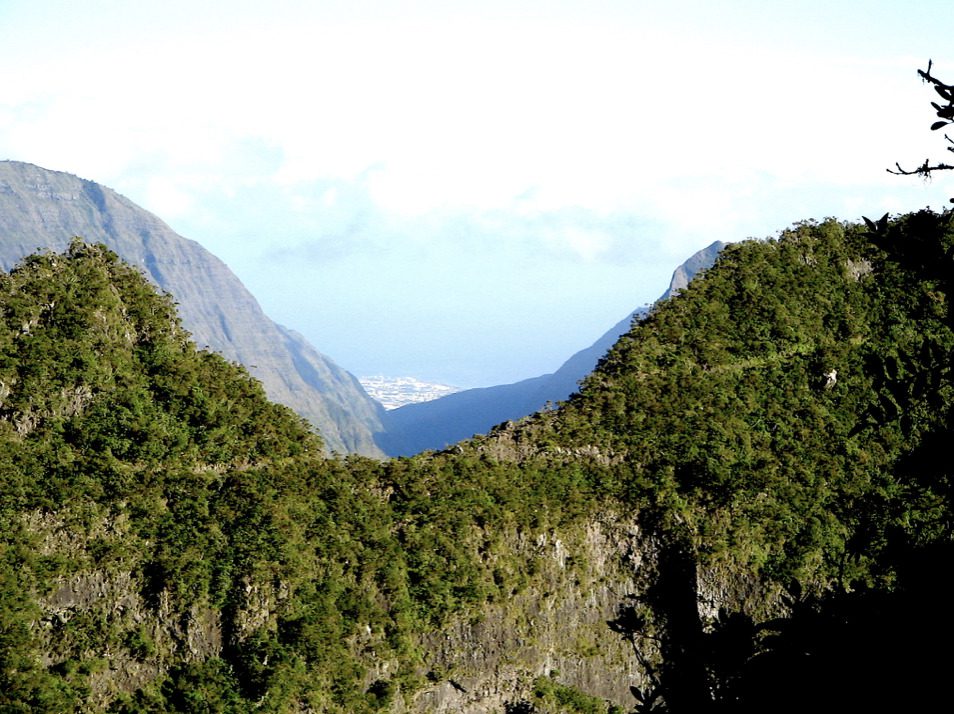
[
  {"x": 42, "y": 210},
  {"x": 748, "y": 500},
  {"x": 442, "y": 422}
]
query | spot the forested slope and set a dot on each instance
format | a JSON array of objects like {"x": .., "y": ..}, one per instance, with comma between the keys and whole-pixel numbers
[
  {"x": 750, "y": 483},
  {"x": 783, "y": 421}
]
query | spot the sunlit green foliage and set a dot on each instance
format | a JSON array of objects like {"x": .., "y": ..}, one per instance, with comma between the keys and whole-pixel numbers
[{"x": 550, "y": 696}]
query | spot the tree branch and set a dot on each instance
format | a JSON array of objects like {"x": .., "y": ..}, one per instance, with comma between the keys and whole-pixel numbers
[
  {"x": 924, "y": 169},
  {"x": 945, "y": 113},
  {"x": 939, "y": 85}
]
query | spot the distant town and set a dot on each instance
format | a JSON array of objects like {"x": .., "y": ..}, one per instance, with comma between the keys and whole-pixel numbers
[{"x": 394, "y": 392}]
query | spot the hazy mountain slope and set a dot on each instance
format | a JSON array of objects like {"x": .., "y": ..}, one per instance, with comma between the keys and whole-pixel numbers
[
  {"x": 441, "y": 422},
  {"x": 42, "y": 209}
]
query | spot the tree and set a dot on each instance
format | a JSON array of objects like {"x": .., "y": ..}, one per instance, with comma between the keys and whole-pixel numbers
[{"x": 945, "y": 112}]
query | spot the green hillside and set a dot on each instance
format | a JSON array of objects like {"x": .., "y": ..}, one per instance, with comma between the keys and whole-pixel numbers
[{"x": 759, "y": 461}]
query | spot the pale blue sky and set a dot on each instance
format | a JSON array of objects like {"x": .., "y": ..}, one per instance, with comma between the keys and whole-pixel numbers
[{"x": 472, "y": 191}]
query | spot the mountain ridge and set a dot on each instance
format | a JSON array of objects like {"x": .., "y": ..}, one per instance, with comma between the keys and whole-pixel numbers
[
  {"x": 42, "y": 209},
  {"x": 438, "y": 423}
]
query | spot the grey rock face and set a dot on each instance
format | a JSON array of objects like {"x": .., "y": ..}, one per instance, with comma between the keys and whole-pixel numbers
[{"x": 43, "y": 210}]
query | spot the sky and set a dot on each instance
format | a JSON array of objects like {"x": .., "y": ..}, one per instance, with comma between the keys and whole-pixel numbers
[{"x": 470, "y": 192}]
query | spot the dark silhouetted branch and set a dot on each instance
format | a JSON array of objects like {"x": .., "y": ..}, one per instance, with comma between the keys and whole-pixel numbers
[
  {"x": 924, "y": 169},
  {"x": 945, "y": 114}
]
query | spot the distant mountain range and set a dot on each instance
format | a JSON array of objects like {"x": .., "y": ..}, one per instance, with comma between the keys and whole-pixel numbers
[
  {"x": 42, "y": 210},
  {"x": 439, "y": 423}
]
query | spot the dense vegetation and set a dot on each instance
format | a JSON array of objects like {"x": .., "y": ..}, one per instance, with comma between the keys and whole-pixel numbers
[
  {"x": 763, "y": 413},
  {"x": 785, "y": 418},
  {"x": 172, "y": 541},
  {"x": 131, "y": 460}
]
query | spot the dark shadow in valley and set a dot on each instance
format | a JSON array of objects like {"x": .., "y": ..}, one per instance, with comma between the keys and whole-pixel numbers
[{"x": 864, "y": 650}]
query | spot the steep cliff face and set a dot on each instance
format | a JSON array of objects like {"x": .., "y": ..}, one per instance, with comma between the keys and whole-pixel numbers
[
  {"x": 557, "y": 628},
  {"x": 561, "y": 627},
  {"x": 42, "y": 210},
  {"x": 569, "y": 626},
  {"x": 102, "y": 611}
]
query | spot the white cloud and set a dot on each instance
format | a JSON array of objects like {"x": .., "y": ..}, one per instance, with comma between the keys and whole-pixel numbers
[
  {"x": 450, "y": 116},
  {"x": 167, "y": 198}
]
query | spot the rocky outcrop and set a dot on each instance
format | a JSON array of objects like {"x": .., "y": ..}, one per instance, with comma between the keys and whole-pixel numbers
[
  {"x": 557, "y": 627},
  {"x": 42, "y": 210},
  {"x": 561, "y": 624},
  {"x": 565, "y": 626},
  {"x": 102, "y": 612}
]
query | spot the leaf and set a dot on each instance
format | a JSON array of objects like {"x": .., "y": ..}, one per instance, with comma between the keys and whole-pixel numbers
[
  {"x": 880, "y": 227},
  {"x": 938, "y": 124}
]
